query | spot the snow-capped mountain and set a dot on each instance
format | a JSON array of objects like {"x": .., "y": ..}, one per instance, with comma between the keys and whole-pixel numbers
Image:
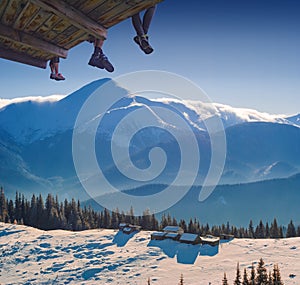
[
  {"x": 259, "y": 145},
  {"x": 35, "y": 118}
]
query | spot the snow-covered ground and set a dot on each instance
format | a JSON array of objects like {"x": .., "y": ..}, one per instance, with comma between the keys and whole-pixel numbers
[{"x": 31, "y": 256}]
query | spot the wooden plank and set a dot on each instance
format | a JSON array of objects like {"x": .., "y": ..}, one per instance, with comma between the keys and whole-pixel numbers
[
  {"x": 87, "y": 6},
  {"x": 37, "y": 21},
  {"x": 12, "y": 12},
  {"x": 3, "y": 5},
  {"x": 75, "y": 17},
  {"x": 27, "y": 15},
  {"x": 22, "y": 58},
  {"x": 105, "y": 8},
  {"x": 119, "y": 15},
  {"x": 31, "y": 41},
  {"x": 72, "y": 40}
]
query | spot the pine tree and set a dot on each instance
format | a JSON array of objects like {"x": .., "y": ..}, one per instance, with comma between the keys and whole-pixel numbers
[
  {"x": 260, "y": 231},
  {"x": 3, "y": 206},
  {"x": 267, "y": 230},
  {"x": 276, "y": 276},
  {"x": 262, "y": 276},
  {"x": 225, "y": 281},
  {"x": 291, "y": 231},
  {"x": 274, "y": 230},
  {"x": 237, "y": 280},
  {"x": 298, "y": 231},
  {"x": 245, "y": 278},
  {"x": 251, "y": 230},
  {"x": 252, "y": 275},
  {"x": 181, "y": 280},
  {"x": 270, "y": 279}
]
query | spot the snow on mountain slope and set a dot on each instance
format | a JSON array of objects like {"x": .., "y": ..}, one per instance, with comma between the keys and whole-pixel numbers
[
  {"x": 33, "y": 118},
  {"x": 295, "y": 119},
  {"x": 38, "y": 99},
  {"x": 31, "y": 256}
]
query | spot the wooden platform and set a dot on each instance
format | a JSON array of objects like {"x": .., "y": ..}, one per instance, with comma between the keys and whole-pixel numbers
[{"x": 34, "y": 31}]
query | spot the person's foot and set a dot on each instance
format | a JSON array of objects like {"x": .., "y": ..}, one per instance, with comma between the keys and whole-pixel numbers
[
  {"x": 101, "y": 61},
  {"x": 57, "y": 77},
  {"x": 94, "y": 61},
  {"x": 106, "y": 63},
  {"x": 144, "y": 44}
]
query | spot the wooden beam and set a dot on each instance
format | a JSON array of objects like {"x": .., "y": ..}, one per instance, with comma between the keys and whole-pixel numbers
[
  {"x": 22, "y": 58},
  {"x": 31, "y": 41},
  {"x": 75, "y": 17}
]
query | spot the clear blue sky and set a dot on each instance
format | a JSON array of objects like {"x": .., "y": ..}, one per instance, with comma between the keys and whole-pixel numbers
[{"x": 241, "y": 53}]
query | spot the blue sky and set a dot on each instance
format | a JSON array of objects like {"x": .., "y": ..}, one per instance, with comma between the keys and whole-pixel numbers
[{"x": 241, "y": 53}]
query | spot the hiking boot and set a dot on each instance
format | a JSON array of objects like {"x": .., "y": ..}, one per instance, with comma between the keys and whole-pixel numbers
[
  {"x": 57, "y": 77},
  {"x": 94, "y": 61},
  {"x": 143, "y": 43},
  {"x": 106, "y": 63},
  {"x": 101, "y": 61},
  {"x": 52, "y": 76}
]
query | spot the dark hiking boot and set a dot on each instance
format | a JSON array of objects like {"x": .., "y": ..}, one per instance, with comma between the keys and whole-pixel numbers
[
  {"x": 143, "y": 43},
  {"x": 106, "y": 63},
  {"x": 101, "y": 61},
  {"x": 94, "y": 61},
  {"x": 57, "y": 77}
]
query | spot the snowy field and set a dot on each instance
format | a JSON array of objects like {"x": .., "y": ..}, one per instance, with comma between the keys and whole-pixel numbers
[{"x": 31, "y": 256}]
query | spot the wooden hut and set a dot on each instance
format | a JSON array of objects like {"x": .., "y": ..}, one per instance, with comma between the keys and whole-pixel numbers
[
  {"x": 173, "y": 229},
  {"x": 190, "y": 238},
  {"x": 158, "y": 236},
  {"x": 128, "y": 228},
  {"x": 34, "y": 31}
]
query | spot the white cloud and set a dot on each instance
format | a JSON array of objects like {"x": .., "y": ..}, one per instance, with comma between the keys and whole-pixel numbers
[{"x": 39, "y": 99}]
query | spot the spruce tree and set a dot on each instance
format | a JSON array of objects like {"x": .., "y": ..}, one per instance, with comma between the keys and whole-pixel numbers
[
  {"x": 251, "y": 230},
  {"x": 274, "y": 230},
  {"x": 181, "y": 280},
  {"x": 245, "y": 278},
  {"x": 291, "y": 231},
  {"x": 252, "y": 275},
  {"x": 276, "y": 276},
  {"x": 225, "y": 281},
  {"x": 237, "y": 280},
  {"x": 3, "y": 206},
  {"x": 262, "y": 276},
  {"x": 270, "y": 279}
]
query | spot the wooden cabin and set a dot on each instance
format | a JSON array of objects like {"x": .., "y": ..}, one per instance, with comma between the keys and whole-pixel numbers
[
  {"x": 158, "y": 236},
  {"x": 34, "y": 31},
  {"x": 226, "y": 237},
  {"x": 190, "y": 238},
  {"x": 128, "y": 228},
  {"x": 173, "y": 236},
  {"x": 173, "y": 229}
]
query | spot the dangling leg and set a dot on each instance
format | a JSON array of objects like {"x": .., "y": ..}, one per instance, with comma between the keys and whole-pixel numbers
[
  {"x": 148, "y": 18},
  {"x": 98, "y": 58},
  {"x": 137, "y": 24},
  {"x": 54, "y": 66}
]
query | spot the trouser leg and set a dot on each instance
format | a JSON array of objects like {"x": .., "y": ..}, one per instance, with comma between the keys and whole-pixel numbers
[
  {"x": 137, "y": 24},
  {"x": 148, "y": 18}
]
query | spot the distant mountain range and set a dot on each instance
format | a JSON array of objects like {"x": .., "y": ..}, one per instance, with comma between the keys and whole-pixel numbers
[{"x": 36, "y": 142}]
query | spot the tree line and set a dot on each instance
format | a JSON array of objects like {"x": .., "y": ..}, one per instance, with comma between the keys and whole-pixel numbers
[{"x": 51, "y": 214}]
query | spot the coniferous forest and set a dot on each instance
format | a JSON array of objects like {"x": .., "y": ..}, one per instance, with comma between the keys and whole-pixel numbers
[{"x": 50, "y": 213}]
